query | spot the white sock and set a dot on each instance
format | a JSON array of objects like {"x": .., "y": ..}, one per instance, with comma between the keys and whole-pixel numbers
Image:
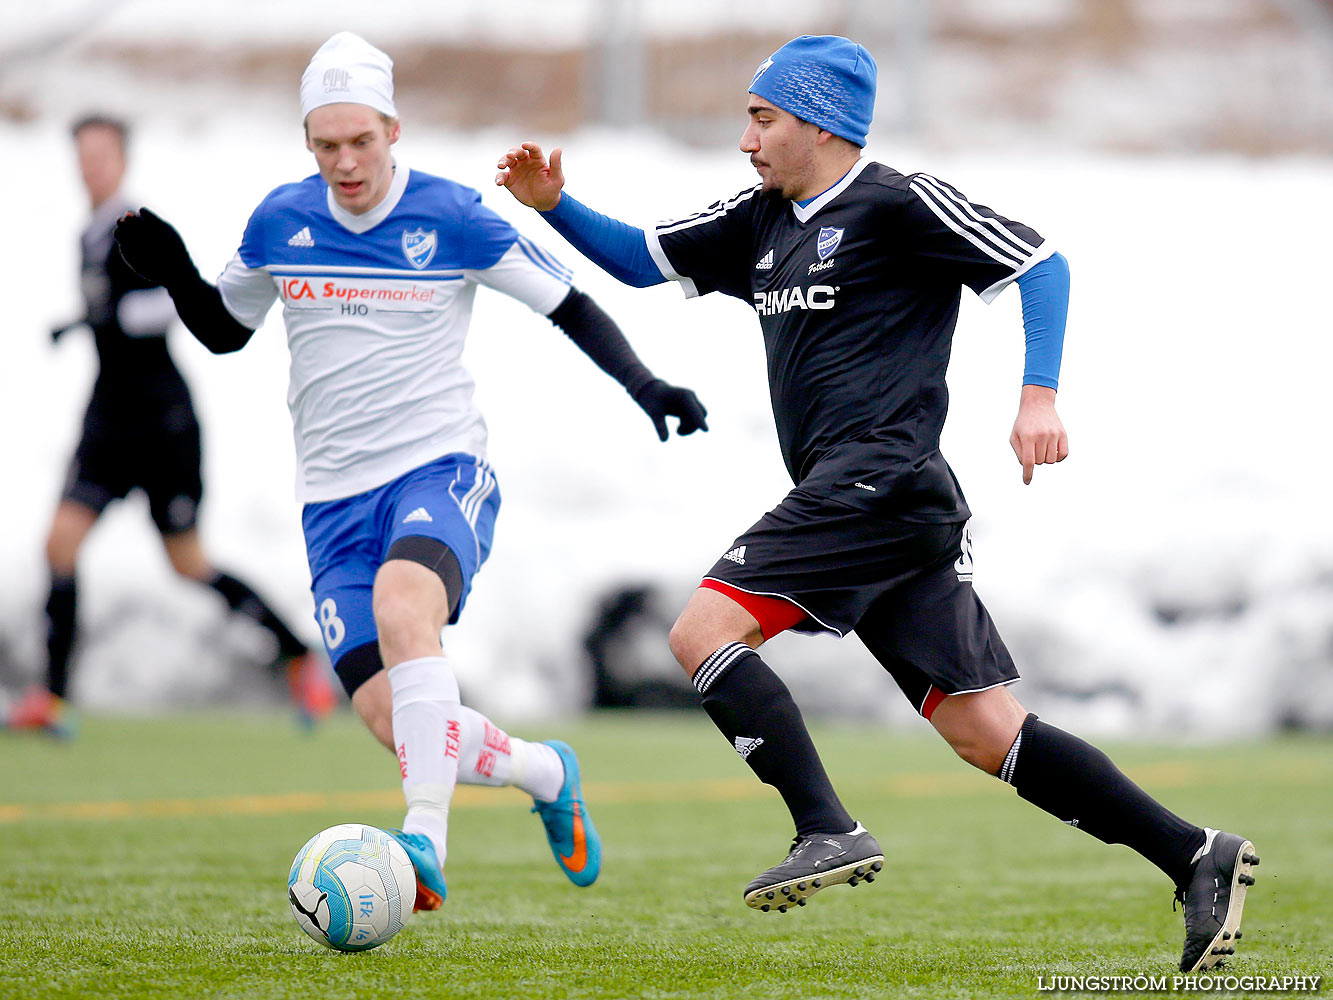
[
  {"x": 490, "y": 756},
  {"x": 425, "y": 721}
]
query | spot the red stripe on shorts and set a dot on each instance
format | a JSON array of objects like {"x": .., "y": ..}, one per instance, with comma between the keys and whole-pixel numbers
[
  {"x": 774, "y": 614},
  {"x": 933, "y": 698}
]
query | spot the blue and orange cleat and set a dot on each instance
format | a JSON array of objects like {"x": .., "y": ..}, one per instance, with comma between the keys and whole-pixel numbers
[
  {"x": 311, "y": 688},
  {"x": 569, "y": 828},
  {"x": 40, "y": 710},
  {"x": 431, "y": 890}
]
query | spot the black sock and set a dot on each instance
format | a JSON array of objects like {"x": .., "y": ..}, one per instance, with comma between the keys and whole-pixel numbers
[
  {"x": 241, "y": 599},
  {"x": 1077, "y": 783},
  {"x": 757, "y": 715},
  {"x": 60, "y": 606}
]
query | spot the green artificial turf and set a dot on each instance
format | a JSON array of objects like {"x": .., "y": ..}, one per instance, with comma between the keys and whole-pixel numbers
[{"x": 148, "y": 858}]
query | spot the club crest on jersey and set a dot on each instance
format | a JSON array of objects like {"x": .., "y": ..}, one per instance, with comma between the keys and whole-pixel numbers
[
  {"x": 828, "y": 241},
  {"x": 419, "y": 246}
]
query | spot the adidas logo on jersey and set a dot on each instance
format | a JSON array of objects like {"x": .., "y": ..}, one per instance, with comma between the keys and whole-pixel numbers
[
  {"x": 419, "y": 514},
  {"x": 746, "y": 745},
  {"x": 302, "y": 239},
  {"x": 765, "y": 262},
  {"x": 736, "y": 555}
]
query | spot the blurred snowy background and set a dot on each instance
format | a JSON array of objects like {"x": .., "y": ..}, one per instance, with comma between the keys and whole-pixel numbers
[{"x": 1174, "y": 575}]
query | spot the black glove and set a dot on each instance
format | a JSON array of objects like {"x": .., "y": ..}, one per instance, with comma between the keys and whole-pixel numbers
[
  {"x": 153, "y": 249},
  {"x": 660, "y": 401}
]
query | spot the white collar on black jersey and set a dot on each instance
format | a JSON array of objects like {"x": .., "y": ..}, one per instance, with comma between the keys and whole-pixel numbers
[
  {"x": 808, "y": 213},
  {"x": 369, "y": 220}
]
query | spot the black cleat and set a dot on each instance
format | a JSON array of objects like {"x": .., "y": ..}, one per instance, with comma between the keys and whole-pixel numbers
[
  {"x": 816, "y": 862},
  {"x": 1214, "y": 898}
]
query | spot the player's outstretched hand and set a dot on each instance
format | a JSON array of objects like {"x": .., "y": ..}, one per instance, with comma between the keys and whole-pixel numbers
[
  {"x": 153, "y": 248},
  {"x": 660, "y": 400},
  {"x": 1038, "y": 437},
  {"x": 530, "y": 177}
]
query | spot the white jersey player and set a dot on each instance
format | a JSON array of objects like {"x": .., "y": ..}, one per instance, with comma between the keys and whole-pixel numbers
[{"x": 376, "y": 267}]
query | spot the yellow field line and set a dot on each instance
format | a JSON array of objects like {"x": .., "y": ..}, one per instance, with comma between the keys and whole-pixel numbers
[{"x": 962, "y": 782}]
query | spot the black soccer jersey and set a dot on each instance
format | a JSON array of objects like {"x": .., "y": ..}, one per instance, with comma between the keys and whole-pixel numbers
[
  {"x": 140, "y": 428},
  {"x": 132, "y": 363},
  {"x": 857, "y": 295},
  {"x": 139, "y": 394}
]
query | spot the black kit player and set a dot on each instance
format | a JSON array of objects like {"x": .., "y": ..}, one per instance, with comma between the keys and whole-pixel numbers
[
  {"x": 139, "y": 431},
  {"x": 855, "y": 272}
]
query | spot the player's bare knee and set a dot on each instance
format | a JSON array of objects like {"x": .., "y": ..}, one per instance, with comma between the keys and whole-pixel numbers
[
  {"x": 710, "y": 620},
  {"x": 693, "y": 639},
  {"x": 981, "y": 754},
  {"x": 681, "y": 641},
  {"x": 980, "y": 727},
  {"x": 971, "y": 737},
  {"x": 402, "y": 625},
  {"x": 61, "y": 553},
  {"x": 410, "y": 607},
  {"x": 69, "y": 528},
  {"x": 186, "y": 555},
  {"x": 192, "y": 569}
]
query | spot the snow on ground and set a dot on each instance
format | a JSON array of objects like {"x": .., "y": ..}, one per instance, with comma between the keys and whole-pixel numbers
[{"x": 1175, "y": 574}]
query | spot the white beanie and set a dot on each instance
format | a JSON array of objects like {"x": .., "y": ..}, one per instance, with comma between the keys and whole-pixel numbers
[{"x": 347, "y": 69}]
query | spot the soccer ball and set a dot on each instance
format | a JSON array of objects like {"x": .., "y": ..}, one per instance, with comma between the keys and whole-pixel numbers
[{"x": 351, "y": 887}]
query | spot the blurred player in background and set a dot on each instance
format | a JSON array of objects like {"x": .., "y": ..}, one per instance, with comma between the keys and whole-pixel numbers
[
  {"x": 139, "y": 432},
  {"x": 855, "y": 272},
  {"x": 377, "y": 266}
]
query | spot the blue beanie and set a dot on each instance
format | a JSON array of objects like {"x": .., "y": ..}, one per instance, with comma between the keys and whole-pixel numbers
[{"x": 826, "y": 80}]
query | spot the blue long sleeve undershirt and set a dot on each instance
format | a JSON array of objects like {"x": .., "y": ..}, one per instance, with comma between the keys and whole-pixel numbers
[
  {"x": 622, "y": 251},
  {"x": 1045, "y": 293},
  {"x": 619, "y": 249}
]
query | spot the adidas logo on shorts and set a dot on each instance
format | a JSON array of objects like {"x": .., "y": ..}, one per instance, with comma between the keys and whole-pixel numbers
[
  {"x": 736, "y": 555},
  {"x": 420, "y": 514}
]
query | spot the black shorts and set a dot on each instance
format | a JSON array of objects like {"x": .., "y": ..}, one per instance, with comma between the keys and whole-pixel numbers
[
  {"x": 904, "y": 587},
  {"x": 152, "y": 448}
]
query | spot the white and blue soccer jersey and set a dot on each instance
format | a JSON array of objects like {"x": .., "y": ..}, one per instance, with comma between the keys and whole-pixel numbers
[{"x": 377, "y": 308}]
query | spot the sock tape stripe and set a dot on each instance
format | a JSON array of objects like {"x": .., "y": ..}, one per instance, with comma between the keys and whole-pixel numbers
[
  {"x": 1011, "y": 761},
  {"x": 717, "y": 663}
]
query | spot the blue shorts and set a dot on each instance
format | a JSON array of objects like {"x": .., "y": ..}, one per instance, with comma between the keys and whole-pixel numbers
[{"x": 453, "y": 500}]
